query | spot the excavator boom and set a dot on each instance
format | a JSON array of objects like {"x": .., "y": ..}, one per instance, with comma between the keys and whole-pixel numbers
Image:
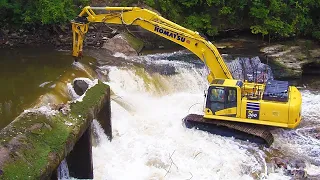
[
  {"x": 154, "y": 23},
  {"x": 231, "y": 105}
]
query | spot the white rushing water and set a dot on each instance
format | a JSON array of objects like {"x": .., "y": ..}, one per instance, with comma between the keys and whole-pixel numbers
[
  {"x": 302, "y": 142},
  {"x": 149, "y": 141}
]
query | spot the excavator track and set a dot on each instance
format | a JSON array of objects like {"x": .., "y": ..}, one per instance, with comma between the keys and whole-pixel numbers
[{"x": 243, "y": 131}]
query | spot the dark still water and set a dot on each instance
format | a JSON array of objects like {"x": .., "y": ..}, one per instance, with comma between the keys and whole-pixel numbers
[{"x": 26, "y": 74}]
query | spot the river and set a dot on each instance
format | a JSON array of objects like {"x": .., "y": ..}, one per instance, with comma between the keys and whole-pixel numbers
[
  {"x": 28, "y": 73},
  {"x": 152, "y": 93},
  {"x": 148, "y": 134}
]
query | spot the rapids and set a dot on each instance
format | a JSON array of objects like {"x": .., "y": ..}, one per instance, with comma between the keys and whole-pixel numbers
[
  {"x": 151, "y": 95},
  {"x": 150, "y": 142}
]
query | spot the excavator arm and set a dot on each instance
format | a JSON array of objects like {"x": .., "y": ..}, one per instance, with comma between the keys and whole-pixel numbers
[
  {"x": 156, "y": 24},
  {"x": 272, "y": 104}
]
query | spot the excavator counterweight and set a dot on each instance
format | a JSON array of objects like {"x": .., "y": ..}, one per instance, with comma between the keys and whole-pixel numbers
[{"x": 245, "y": 109}]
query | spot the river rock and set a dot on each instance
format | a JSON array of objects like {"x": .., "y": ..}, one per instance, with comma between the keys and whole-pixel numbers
[
  {"x": 292, "y": 167},
  {"x": 280, "y": 163},
  {"x": 317, "y": 136},
  {"x": 293, "y": 59},
  {"x": 124, "y": 43},
  {"x": 298, "y": 174},
  {"x": 14, "y": 35},
  {"x": 80, "y": 86},
  {"x": 104, "y": 38},
  {"x": 315, "y": 53}
]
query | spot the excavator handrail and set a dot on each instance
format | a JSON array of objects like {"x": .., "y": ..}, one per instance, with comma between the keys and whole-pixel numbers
[{"x": 156, "y": 24}]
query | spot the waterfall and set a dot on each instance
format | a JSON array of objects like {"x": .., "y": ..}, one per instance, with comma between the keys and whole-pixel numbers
[
  {"x": 151, "y": 95},
  {"x": 150, "y": 141}
]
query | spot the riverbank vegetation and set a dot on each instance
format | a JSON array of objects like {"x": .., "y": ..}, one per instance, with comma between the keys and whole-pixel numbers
[
  {"x": 272, "y": 19},
  {"x": 26, "y": 13}
]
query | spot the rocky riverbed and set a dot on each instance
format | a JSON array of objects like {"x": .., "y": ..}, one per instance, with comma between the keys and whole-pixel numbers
[
  {"x": 291, "y": 58},
  {"x": 296, "y": 58}
]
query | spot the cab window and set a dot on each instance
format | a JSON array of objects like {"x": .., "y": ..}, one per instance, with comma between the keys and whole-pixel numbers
[
  {"x": 217, "y": 94},
  {"x": 231, "y": 94},
  {"x": 220, "y": 98}
]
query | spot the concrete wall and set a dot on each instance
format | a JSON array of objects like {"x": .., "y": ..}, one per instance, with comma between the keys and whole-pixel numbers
[{"x": 34, "y": 144}]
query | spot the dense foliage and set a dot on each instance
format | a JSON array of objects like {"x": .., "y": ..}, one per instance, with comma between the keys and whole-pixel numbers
[
  {"x": 272, "y": 18},
  {"x": 19, "y": 13}
]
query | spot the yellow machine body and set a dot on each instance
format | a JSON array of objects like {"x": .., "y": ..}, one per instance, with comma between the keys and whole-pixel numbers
[
  {"x": 248, "y": 105},
  {"x": 253, "y": 109}
]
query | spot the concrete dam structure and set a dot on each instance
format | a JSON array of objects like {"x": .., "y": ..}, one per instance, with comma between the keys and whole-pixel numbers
[{"x": 37, "y": 141}]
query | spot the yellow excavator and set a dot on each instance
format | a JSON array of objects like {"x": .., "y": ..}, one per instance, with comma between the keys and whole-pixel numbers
[{"x": 233, "y": 107}]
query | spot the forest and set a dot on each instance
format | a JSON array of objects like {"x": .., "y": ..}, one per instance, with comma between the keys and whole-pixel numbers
[{"x": 269, "y": 18}]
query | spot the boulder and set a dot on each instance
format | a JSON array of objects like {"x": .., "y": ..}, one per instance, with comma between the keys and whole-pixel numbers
[
  {"x": 316, "y": 132},
  {"x": 293, "y": 59},
  {"x": 280, "y": 163},
  {"x": 124, "y": 43},
  {"x": 315, "y": 53},
  {"x": 80, "y": 86},
  {"x": 290, "y": 58},
  {"x": 292, "y": 166},
  {"x": 298, "y": 174}
]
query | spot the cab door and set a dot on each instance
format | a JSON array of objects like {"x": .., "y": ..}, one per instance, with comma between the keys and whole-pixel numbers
[{"x": 222, "y": 101}]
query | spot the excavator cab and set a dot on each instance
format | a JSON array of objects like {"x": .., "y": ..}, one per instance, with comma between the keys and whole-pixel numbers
[{"x": 222, "y": 100}]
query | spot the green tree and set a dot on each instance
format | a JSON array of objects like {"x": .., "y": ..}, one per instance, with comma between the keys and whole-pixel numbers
[
  {"x": 281, "y": 18},
  {"x": 41, "y": 12},
  {"x": 272, "y": 18}
]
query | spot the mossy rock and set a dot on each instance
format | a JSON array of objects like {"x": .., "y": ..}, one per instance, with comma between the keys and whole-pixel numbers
[
  {"x": 124, "y": 43},
  {"x": 136, "y": 43},
  {"x": 34, "y": 144}
]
